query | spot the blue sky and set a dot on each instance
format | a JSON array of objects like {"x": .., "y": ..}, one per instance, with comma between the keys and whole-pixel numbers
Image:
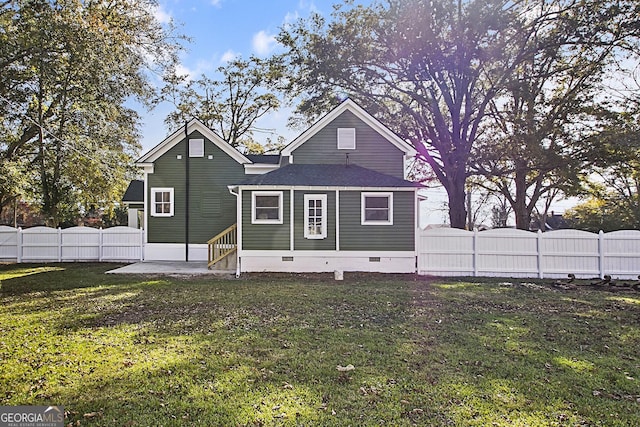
[{"x": 221, "y": 30}]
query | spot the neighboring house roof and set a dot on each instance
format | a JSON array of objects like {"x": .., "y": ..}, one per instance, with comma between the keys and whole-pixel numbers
[
  {"x": 134, "y": 193},
  {"x": 359, "y": 112},
  {"x": 327, "y": 176},
  {"x": 177, "y": 136},
  {"x": 271, "y": 159}
]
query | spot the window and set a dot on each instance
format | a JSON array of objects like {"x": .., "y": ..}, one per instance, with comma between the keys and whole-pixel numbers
[
  {"x": 266, "y": 207},
  {"x": 196, "y": 148},
  {"x": 346, "y": 138},
  {"x": 315, "y": 216},
  {"x": 377, "y": 209},
  {"x": 162, "y": 202}
]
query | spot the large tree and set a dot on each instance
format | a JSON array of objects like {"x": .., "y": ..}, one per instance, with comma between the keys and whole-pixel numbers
[
  {"x": 68, "y": 69},
  {"x": 426, "y": 68},
  {"x": 231, "y": 103},
  {"x": 432, "y": 69},
  {"x": 535, "y": 145}
]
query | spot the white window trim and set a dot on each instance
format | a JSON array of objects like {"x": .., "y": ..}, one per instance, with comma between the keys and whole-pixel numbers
[
  {"x": 350, "y": 134},
  {"x": 153, "y": 201},
  {"x": 255, "y": 220},
  {"x": 363, "y": 196},
  {"x": 323, "y": 230},
  {"x": 196, "y": 143}
]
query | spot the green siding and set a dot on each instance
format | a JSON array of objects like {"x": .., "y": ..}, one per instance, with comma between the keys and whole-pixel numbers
[
  {"x": 372, "y": 150},
  {"x": 212, "y": 208},
  {"x": 302, "y": 244},
  {"x": 397, "y": 237},
  {"x": 265, "y": 236},
  {"x": 353, "y": 236}
]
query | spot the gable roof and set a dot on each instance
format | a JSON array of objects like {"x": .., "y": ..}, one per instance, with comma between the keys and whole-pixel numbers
[
  {"x": 359, "y": 112},
  {"x": 177, "y": 136},
  {"x": 316, "y": 175},
  {"x": 135, "y": 192}
]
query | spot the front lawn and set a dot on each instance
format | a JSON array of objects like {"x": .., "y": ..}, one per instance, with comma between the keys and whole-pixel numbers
[{"x": 276, "y": 349}]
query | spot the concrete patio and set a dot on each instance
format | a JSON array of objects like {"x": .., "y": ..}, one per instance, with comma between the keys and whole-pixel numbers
[{"x": 192, "y": 268}]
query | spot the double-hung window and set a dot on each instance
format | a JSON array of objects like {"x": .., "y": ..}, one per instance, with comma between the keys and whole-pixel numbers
[
  {"x": 162, "y": 202},
  {"x": 266, "y": 207},
  {"x": 315, "y": 216},
  {"x": 377, "y": 209}
]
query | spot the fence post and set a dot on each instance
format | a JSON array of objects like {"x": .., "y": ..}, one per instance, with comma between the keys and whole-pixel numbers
[
  {"x": 59, "y": 244},
  {"x": 539, "y": 250},
  {"x": 19, "y": 245},
  {"x": 100, "y": 243},
  {"x": 601, "y": 253},
  {"x": 141, "y": 231},
  {"x": 475, "y": 252}
]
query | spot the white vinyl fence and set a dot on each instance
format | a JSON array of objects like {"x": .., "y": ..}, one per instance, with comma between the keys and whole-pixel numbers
[
  {"x": 44, "y": 244},
  {"x": 517, "y": 253}
]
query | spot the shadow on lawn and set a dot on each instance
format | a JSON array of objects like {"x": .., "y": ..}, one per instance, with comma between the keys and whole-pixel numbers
[
  {"x": 534, "y": 358},
  {"x": 265, "y": 351}
]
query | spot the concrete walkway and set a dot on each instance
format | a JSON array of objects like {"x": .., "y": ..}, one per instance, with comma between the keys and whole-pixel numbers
[{"x": 169, "y": 268}]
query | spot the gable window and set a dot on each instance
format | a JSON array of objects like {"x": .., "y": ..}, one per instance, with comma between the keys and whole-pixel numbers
[
  {"x": 346, "y": 138},
  {"x": 162, "y": 202},
  {"x": 377, "y": 209},
  {"x": 315, "y": 216},
  {"x": 266, "y": 207},
  {"x": 196, "y": 148}
]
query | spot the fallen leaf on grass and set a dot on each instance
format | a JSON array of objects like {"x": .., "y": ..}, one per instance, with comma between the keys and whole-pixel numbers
[{"x": 345, "y": 368}]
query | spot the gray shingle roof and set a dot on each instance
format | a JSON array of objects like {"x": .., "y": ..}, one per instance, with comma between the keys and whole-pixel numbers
[
  {"x": 327, "y": 176},
  {"x": 135, "y": 192}
]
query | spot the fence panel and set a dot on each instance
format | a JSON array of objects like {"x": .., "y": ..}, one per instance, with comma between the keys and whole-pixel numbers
[
  {"x": 621, "y": 254},
  {"x": 507, "y": 252},
  {"x": 446, "y": 252},
  {"x": 80, "y": 244},
  {"x": 40, "y": 244},
  {"x": 122, "y": 244},
  {"x": 570, "y": 251},
  {"x": 8, "y": 243}
]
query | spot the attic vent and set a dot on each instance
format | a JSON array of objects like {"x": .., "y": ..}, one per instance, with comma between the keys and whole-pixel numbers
[
  {"x": 346, "y": 138},
  {"x": 196, "y": 148}
]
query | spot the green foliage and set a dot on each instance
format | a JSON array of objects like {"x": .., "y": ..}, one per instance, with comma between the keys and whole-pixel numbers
[
  {"x": 615, "y": 184},
  {"x": 434, "y": 70},
  {"x": 264, "y": 350},
  {"x": 533, "y": 147},
  {"x": 230, "y": 105},
  {"x": 67, "y": 70}
]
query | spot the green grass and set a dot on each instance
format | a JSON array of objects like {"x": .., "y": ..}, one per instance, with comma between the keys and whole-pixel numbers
[{"x": 264, "y": 349}]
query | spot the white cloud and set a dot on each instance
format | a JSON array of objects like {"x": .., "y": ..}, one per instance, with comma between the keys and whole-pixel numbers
[
  {"x": 161, "y": 15},
  {"x": 216, "y": 3},
  {"x": 263, "y": 43},
  {"x": 228, "y": 56},
  {"x": 201, "y": 68},
  {"x": 291, "y": 17}
]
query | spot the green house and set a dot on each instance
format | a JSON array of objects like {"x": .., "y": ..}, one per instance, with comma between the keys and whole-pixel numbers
[{"x": 335, "y": 199}]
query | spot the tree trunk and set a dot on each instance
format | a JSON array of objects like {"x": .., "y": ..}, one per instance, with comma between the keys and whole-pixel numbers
[
  {"x": 457, "y": 200},
  {"x": 523, "y": 216}
]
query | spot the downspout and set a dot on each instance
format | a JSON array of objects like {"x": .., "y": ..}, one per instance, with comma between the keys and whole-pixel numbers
[
  {"x": 238, "y": 221},
  {"x": 186, "y": 204}
]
